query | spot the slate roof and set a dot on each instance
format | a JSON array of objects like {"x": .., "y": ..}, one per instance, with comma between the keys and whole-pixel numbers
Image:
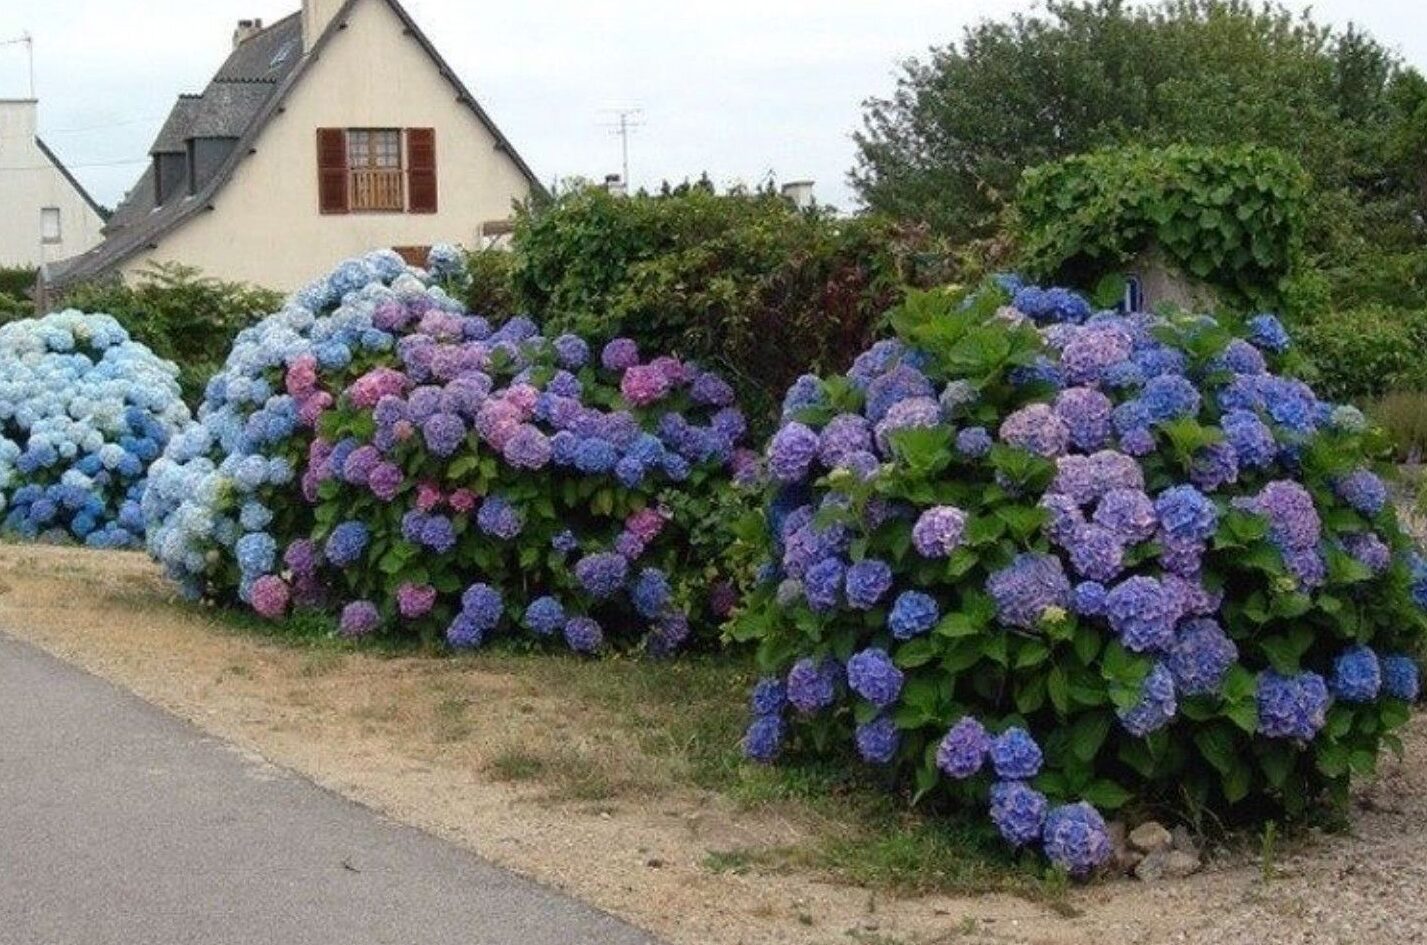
[{"x": 244, "y": 94}]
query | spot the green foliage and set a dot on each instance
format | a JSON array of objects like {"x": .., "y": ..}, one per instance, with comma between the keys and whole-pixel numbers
[
  {"x": 490, "y": 286},
  {"x": 743, "y": 283},
  {"x": 1231, "y": 217},
  {"x": 16, "y": 284},
  {"x": 950, "y": 144},
  {"x": 183, "y": 316},
  {"x": 1363, "y": 354}
]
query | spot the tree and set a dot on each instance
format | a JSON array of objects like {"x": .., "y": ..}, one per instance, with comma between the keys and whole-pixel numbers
[{"x": 950, "y": 144}]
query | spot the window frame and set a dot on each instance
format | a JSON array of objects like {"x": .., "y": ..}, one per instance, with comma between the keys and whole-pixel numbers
[
  {"x": 46, "y": 214},
  {"x": 374, "y": 150}
]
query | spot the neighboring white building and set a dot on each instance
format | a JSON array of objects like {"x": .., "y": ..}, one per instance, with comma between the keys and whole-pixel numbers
[
  {"x": 333, "y": 131},
  {"x": 45, "y": 214}
]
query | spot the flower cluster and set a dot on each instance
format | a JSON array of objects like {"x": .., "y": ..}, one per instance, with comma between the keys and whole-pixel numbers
[
  {"x": 83, "y": 412},
  {"x": 1019, "y": 550},
  {"x": 374, "y": 449}
]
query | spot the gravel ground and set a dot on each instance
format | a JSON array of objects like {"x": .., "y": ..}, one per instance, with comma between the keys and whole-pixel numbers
[{"x": 361, "y": 727}]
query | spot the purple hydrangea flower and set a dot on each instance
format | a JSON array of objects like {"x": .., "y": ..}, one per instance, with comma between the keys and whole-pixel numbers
[
  {"x": 602, "y": 575},
  {"x": 1027, "y": 589},
  {"x": 620, "y": 354},
  {"x": 415, "y": 600},
  {"x": 913, "y": 614},
  {"x": 1169, "y": 396},
  {"x": 571, "y": 352},
  {"x": 963, "y": 749},
  {"x": 499, "y": 519},
  {"x": 1293, "y": 519},
  {"x": 867, "y": 583},
  {"x": 527, "y": 448},
  {"x": 845, "y": 434},
  {"x": 584, "y": 635},
  {"x": 939, "y": 531},
  {"x": 873, "y": 676},
  {"x": 1015, "y": 755},
  {"x": 1363, "y": 490},
  {"x": 1369, "y": 550},
  {"x": 1128, "y": 513},
  {"x": 359, "y": 618},
  {"x": 1214, "y": 466},
  {"x": 790, "y": 454},
  {"x": 1018, "y": 811},
  {"x": 1142, "y": 614},
  {"x": 900, "y": 383},
  {"x": 974, "y": 442},
  {"x": 812, "y": 686},
  {"x": 1065, "y": 517},
  {"x": 1252, "y": 441},
  {"x": 444, "y": 433},
  {"x": 822, "y": 584},
  {"x": 1086, "y": 413},
  {"x": 878, "y": 740},
  {"x": 1096, "y": 553},
  {"x": 1157, "y": 705},
  {"x": 1201, "y": 657},
  {"x": 1357, "y": 675},
  {"x": 1291, "y": 706},
  {"x": 1093, "y": 350},
  {"x": 1036, "y": 428},
  {"x": 1076, "y": 839}
]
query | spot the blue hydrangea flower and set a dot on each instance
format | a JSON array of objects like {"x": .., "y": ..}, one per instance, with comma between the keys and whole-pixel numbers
[
  {"x": 1291, "y": 706},
  {"x": 1076, "y": 838},
  {"x": 913, "y": 614},
  {"x": 602, "y": 575},
  {"x": 974, "y": 442},
  {"x": 1089, "y": 599},
  {"x": 1268, "y": 333},
  {"x": 770, "y": 696},
  {"x": 483, "y": 605},
  {"x": 499, "y": 519},
  {"x": 873, "y": 676},
  {"x": 1157, "y": 705},
  {"x": 1186, "y": 514},
  {"x": 651, "y": 593},
  {"x": 764, "y": 739},
  {"x": 1142, "y": 614},
  {"x": 1015, "y": 755},
  {"x": 347, "y": 543},
  {"x": 1357, "y": 675},
  {"x": 584, "y": 635},
  {"x": 1028, "y": 589},
  {"x": 1096, "y": 553},
  {"x": 822, "y": 584},
  {"x": 813, "y": 686},
  {"x": 1364, "y": 491},
  {"x": 1400, "y": 678},
  {"x": 1018, "y": 811},
  {"x": 544, "y": 616},
  {"x": 878, "y": 740},
  {"x": 963, "y": 749},
  {"x": 1202, "y": 655}
]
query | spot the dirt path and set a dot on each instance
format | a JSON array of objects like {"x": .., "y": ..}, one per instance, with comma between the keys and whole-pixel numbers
[{"x": 417, "y": 739}]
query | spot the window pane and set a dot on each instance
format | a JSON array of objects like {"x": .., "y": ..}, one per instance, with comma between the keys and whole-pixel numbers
[{"x": 49, "y": 224}]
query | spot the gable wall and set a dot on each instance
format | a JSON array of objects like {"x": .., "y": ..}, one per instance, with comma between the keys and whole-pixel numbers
[
  {"x": 30, "y": 181},
  {"x": 265, "y": 226}
]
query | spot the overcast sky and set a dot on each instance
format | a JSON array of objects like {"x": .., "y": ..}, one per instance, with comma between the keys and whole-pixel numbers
[{"x": 740, "y": 88}]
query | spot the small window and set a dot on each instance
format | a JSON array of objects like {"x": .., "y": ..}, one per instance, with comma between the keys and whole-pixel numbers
[
  {"x": 49, "y": 225},
  {"x": 374, "y": 162}
]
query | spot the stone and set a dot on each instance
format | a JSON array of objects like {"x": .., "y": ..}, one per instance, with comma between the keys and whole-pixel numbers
[
  {"x": 1183, "y": 841},
  {"x": 1150, "y": 837},
  {"x": 1124, "y": 859},
  {"x": 1167, "y": 864}
]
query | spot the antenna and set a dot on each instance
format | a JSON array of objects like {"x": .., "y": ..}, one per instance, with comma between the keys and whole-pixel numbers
[
  {"x": 627, "y": 121},
  {"x": 29, "y": 43}
]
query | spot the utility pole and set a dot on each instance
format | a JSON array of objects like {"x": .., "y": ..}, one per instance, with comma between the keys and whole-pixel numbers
[
  {"x": 29, "y": 43},
  {"x": 625, "y": 124}
]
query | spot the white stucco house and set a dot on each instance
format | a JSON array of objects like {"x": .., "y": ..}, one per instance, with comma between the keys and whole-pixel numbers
[
  {"x": 45, "y": 214},
  {"x": 333, "y": 131}
]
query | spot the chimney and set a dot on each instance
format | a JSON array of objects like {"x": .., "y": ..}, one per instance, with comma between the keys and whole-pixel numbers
[
  {"x": 316, "y": 16},
  {"x": 800, "y": 192},
  {"x": 246, "y": 30}
]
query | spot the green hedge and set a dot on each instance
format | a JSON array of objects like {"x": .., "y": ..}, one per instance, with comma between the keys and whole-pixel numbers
[
  {"x": 747, "y": 284},
  {"x": 1363, "y": 354},
  {"x": 1231, "y": 216}
]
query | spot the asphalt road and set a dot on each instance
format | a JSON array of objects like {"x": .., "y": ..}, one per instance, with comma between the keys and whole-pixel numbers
[{"x": 122, "y": 825}]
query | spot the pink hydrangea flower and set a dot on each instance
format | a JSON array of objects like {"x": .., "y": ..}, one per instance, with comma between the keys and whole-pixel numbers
[
  {"x": 376, "y": 384},
  {"x": 302, "y": 376},
  {"x": 415, "y": 600},
  {"x": 463, "y": 501},
  {"x": 644, "y": 384},
  {"x": 646, "y": 524},
  {"x": 311, "y": 408},
  {"x": 270, "y": 596},
  {"x": 428, "y": 497}
]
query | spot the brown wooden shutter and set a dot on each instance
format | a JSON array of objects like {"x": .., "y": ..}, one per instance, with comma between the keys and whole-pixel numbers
[
  {"x": 332, "y": 170},
  {"x": 421, "y": 169}
]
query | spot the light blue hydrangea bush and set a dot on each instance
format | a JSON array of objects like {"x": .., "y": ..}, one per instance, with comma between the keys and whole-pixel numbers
[
  {"x": 1051, "y": 562},
  {"x": 84, "y": 410},
  {"x": 375, "y": 450}
]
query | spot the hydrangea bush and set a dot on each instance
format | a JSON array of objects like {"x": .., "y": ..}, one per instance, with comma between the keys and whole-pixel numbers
[
  {"x": 376, "y": 450},
  {"x": 83, "y": 412},
  {"x": 1054, "y": 562}
]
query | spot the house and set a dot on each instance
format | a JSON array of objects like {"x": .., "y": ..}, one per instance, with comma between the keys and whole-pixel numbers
[
  {"x": 328, "y": 133},
  {"x": 47, "y": 214}
]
